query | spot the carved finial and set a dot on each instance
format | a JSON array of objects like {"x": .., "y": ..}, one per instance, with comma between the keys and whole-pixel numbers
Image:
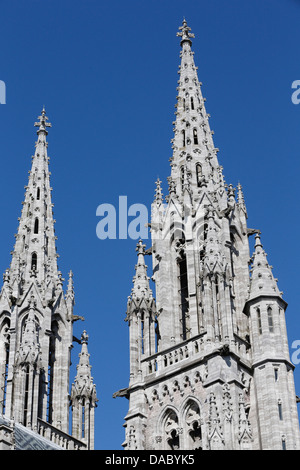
[
  {"x": 84, "y": 337},
  {"x": 185, "y": 33},
  {"x": 70, "y": 288},
  {"x": 6, "y": 276},
  {"x": 241, "y": 200},
  {"x": 42, "y": 124},
  {"x": 140, "y": 247},
  {"x": 258, "y": 241},
  {"x": 158, "y": 192}
]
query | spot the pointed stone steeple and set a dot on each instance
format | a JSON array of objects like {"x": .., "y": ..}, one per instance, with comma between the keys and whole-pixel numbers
[
  {"x": 84, "y": 397},
  {"x": 194, "y": 161},
  {"x": 141, "y": 291},
  {"x": 214, "y": 340},
  {"x": 262, "y": 282},
  {"x": 35, "y": 358},
  {"x": 83, "y": 383},
  {"x": 34, "y": 254}
]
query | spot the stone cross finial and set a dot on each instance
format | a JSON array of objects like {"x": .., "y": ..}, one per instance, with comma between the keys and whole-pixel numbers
[
  {"x": 185, "y": 33},
  {"x": 84, "y": 337},
  {"x": 42, "y": 124},
  {"x": 140, "y": 247}
]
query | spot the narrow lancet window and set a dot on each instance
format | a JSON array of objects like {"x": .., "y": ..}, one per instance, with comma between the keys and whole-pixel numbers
[
  {"x": 192, "y": 103},
  {"x": 26, "y": 395},
  {"x": 38, "y": 193},
  {"x": 195, "y": 135},
  {"x": 184, "y": 294},
  {"x": 270, "y": 320},
  {"x": 183, "y": 138},
  {"x": 4, "y": 356},
  {"x": 198, "y": 174},
  {"x": 36, "y": 225},
  {"x": 34, "y": 261},
  {"x": 283, "y": 443},
  {"x": 142, "y": 333},
  {"x": 280, "y": 410},
  {"x": 83, "y": 419},
  {"x": 182, "y": 178},
  {"x": 259, "y": 321}
]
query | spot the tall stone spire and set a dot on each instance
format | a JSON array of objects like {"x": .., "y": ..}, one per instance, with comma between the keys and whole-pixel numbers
[
  {"x": 36, "y": 317},
  {"x": 34, "y": 254},
  {"x": 220, "y": 335},
  {"x": 194, "y": 162}
]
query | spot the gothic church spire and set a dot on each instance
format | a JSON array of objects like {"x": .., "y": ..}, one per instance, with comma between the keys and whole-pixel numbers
[
  {"x": 194, "y": 162},
  {"x": 34, "y": 254}
]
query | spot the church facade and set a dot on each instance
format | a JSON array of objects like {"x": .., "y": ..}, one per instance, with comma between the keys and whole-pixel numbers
[
  {"x": 36, "y": 332},
  {"x": 209, "y": 357}
]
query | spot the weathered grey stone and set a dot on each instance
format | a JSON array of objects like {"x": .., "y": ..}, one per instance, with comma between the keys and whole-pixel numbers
[
  {"x": 36, "y": 330},
  {"x": 209, "y": 359}
]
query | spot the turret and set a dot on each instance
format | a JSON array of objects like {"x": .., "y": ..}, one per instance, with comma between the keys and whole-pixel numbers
[
  {"x": 275, "y": 402},
  {"x": 141, "y": 317},
  {"x": 84, "y": 398}
]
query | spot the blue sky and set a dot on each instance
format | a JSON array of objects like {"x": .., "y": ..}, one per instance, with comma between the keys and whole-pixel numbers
[{"x": 107, "y": 75}]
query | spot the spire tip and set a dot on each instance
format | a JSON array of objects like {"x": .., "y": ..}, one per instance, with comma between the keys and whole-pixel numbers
[
  {"x": 42, "y": 124},
  {"x": 184, "y": 33}
]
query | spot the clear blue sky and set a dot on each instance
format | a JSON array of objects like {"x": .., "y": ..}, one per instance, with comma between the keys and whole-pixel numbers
[{"x": 107, "y": 75}]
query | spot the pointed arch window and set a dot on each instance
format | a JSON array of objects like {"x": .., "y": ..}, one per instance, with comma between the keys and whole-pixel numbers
[
  {"x": 183, "y": 138},
  {"x": 26, "y": 395},
  {"x": 259, "y": 321},
  {"x": 193, "y": 426},
  {"x": 192, "y": 103},
  {"x": 142, "y": 333},
  {"x": 198, "y": 174},
  {"x": 202, "y": 251},
  {"x": 83, "y": 418},
  {"x": 170, "y": 430},
  {"x": 283, "y": 442},
  {"x": 182, "y": 177},
  {"x": 4, "y": 355},
  {"x": 157, "y": 335},
  {"x": 34, "y": 261},
  {"x": 51, "y": 370},
  {"x": 183, "y": 294},
  {"x": 270, "y": 320},
  {"x": 38, "y": 193},
  {"x": 195, "y": 136},
  {"x": 36, "y": 226},
  {"x": 280, "y": 410},
  {"x": 183, "y": 102}
]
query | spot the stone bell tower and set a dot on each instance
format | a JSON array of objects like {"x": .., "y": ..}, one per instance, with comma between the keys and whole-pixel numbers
[
  {"x": 36, "y": 325},
  {"x": 209, "y": 359}
]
